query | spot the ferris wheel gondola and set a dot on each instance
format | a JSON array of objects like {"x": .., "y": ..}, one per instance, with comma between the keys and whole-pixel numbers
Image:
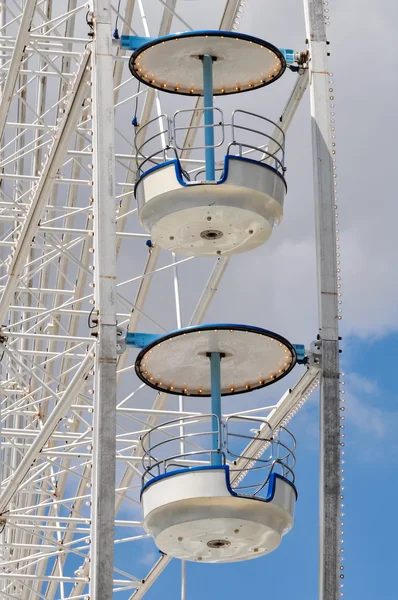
[{"x": 235, "y": 203}]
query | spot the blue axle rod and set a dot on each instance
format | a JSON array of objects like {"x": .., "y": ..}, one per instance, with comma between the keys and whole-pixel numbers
[
  {"x": 209, "y": 117},
  {"x": 215, "y": 373}
]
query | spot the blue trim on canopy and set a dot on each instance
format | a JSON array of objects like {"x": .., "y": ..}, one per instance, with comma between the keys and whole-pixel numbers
[
  {"x": 225, "y": 468},
  {"x": 212, "y": 327},
  {"x": 142, "y": 340},
  {"x": 211, "y": 33},
  {"x": 229, "y": 157},
  {"x": 134, "y": 42}
]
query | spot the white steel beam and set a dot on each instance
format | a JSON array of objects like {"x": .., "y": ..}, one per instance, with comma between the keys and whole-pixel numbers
[
  {"x": 209, "y": 291},
  {"x": 125, "y": 30},
  {"x": 294, "y": 100},
  {"x": 152, "y": 96},
  {"x": 329, "y": 497},
  {"x": 45, "y": 183},
  {"x": 289, "y": 111},
  {"x": 231, "y": 15},
  {"x": 15, "y": 63},
  {"x": 104, "y": 433},
  {"x": 151, "y": 577},
  {"x": 139, "y": 301},
  {"x": 140, "y": 298},
  {"x": 290, "y": 402},
  {"x": 42, "y": 438}
]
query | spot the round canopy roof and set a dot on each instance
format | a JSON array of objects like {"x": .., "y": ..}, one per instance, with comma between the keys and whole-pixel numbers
[
  {"x": 240, "y": 62},
  {"x": 179, "y": 362}
]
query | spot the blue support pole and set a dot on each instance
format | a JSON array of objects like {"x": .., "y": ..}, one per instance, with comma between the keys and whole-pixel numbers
[
  {"x": 215, "y": 373},
  {"x": 209, "y": 116}
]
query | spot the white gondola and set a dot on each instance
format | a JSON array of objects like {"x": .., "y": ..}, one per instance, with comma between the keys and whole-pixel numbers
[
  {"x": 194, "y": 503},
  {"x": 235, "y": 214},
  {"x": 239, "y": 195},
  {"x": 194, "y": 514}
]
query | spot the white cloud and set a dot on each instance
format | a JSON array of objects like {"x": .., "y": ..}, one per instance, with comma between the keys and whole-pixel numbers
[
  {"x": 360, "y": 384},
  {"x": 370, "y": 428}
]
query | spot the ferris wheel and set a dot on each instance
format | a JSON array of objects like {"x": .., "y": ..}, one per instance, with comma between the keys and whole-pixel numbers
[{"x": 133, "y": 171}]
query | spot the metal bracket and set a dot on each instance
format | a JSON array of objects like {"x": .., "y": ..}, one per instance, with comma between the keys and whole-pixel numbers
[
  {"x": 120, "y": 340},
  {"x": 121, "y": 336},
  {"x": 301, "y": 354},
  {"x": 134, "y": 340},
  {"x": 315, "y": 354},
  {"x": 302, "y": 58}
]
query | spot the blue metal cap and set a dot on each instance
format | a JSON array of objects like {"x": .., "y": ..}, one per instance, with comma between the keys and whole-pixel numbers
[{"x": 300, "y": 351}]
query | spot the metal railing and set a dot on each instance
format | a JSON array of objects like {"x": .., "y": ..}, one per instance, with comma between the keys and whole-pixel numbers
[
  {"x": 265, "y": 453},
  {"x": 185, "y": 447},
  {"x": 272, "y": 150},
  {"x": 183, "y": 130},
  {"x": 251, "y": 454},
  {"x": 247, "y": 135}
]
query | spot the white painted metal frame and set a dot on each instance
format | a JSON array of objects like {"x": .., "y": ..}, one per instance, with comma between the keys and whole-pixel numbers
[
  {"x": 58, "y": 192},
  {"x": 104, "y": 432},
  {"x": 325, "y": 221}
]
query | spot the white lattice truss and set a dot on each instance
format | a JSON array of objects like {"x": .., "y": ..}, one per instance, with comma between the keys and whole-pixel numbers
[{"x": 46, "y": 280}]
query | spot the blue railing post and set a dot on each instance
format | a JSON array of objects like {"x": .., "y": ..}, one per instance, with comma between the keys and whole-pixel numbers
[
  {"x": 215, "y": 373},
  {"x": 209, "y": 116}
]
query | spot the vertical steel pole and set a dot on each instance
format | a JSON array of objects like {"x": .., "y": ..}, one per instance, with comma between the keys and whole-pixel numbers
[
  {"x": 329, "y": 581},
  {"x": 215, "y": 374},
  {"x": 209, "y": 117},
  {"x": 104, "y": 434},
  {"x": 183, "y": 580},
  {"x": 179, "y": 322}
]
